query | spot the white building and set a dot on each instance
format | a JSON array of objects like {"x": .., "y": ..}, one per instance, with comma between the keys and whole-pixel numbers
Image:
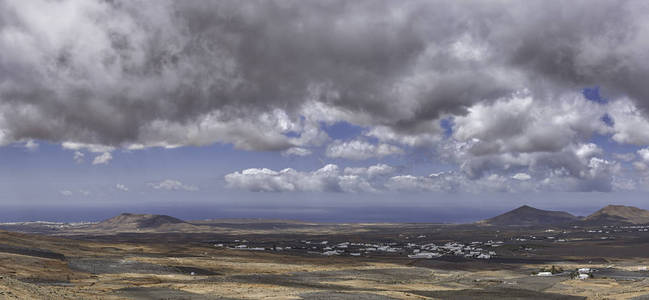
[{"x": 427, "y": 255}]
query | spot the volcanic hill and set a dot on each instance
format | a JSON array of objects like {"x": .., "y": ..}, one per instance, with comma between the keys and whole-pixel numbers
[
  {"x": 530, "y": 216},
  {"x": 618, "y": 215},
  {"x": 137, "y": 222}
]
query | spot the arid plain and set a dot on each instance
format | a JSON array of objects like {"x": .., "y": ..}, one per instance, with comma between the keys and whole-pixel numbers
[{"x": 160, "y": 257}]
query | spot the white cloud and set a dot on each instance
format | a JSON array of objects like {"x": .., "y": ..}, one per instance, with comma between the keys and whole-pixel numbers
[
  {"x": 121, "y": 187},
  {"x": 330, "y": 179},
  {"x": 631, "y": 126},
  {"x": 359, "y": 150},
  {"x": 95, "y": 148},
  {"x": 641, "y": 166},
  {"x": 31, "y": 145},
  {"x": 78, "y": 156},
  {"x": 66, "y": 193},
  {"x": 644, "y": 154},
  {"x": 297, "y": 151},
  {"x": 522, "y": 176},
  {"x": 412, "y": 183},
  {"x": 172, "y": 185},
  {"x": 592, "y": 174},
  {"x": 588, "y": 150},
  {"x": 547, "y": 138},
  {"x": 626, "y": 157},
  {"x": 371, "y": 171},
  {"x": 105, "y": 88},
  {"x": 414, "y": 71},
  {"x": 327, "y": 179},
  {"x": 103, "y": 158},
  {"x": 426, "y": 137},
  {"x": 521, "y": 124},
  {"x": 453, "y": 182}
]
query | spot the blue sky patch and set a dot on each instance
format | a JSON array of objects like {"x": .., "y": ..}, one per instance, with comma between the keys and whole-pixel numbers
[
  {"x": 608, "y": 120},
  {"x": 447, "y": 125},
  {"x": 342, "y": 130},
  {"x": 593, "y": 94}
]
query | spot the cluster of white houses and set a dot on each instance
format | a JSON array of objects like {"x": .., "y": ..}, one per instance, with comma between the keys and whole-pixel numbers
[
  {"x": 604, "y": 232},
  {"x": 580, "y": 273},
  {"x": 478, "y": 250},
  {"x": 472, "y": 250},
  {"x": 426, "y": 249}
]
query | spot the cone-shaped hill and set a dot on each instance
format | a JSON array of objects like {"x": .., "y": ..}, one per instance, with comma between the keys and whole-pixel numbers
[
  {"x": 530, "y": 216},
  {"x": 618, "y": 215},
  {"x": 137, "y": 222}
]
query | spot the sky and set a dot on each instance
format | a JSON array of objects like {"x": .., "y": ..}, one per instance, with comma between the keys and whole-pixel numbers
[{"x": 340, "y": 111}]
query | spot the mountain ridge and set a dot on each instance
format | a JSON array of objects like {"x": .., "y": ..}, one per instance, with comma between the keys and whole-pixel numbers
[{"x": 524, "y": 215}]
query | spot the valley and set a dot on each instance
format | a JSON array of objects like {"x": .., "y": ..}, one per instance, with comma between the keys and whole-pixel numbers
[{"x": 161, "y": 257}]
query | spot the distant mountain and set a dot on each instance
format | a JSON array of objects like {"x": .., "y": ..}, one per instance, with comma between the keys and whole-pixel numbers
[
  {"x": 131, "y": 222},
  {"x": 530, "y": 216},
  {"x": 618, "y": 215}
]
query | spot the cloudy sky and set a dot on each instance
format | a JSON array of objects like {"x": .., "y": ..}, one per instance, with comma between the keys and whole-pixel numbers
[{"x": 323, "y": 110}]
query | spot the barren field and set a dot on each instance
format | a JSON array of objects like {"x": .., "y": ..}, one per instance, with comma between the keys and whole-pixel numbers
[{"x": 293, "y": 262}]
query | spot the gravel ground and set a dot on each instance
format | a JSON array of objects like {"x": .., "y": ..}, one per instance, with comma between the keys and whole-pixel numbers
[
  {"x": 343, "y": 296},
  {"x": 31, "y": 252},
  {"x": 143, "y": 293},
  {"x": 618, "y": 274},
  {"x": 494, "y": 294},
  {"x": 117, "y": 266}
]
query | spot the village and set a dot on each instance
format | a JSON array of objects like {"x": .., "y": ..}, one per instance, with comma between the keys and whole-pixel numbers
[
  {"x": 425, "y": 249},
  {"x": 472, "y": 250}
]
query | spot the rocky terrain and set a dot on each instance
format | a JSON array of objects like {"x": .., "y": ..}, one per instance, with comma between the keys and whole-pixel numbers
[
  {"x": 187, "y": 267},
  {"x": 160, "y": 257}
]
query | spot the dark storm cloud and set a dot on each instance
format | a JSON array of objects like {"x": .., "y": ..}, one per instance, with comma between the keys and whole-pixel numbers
[{"x": 122, "y": 72}]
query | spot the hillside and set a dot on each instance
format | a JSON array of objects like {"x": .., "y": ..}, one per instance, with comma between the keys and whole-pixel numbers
[
  {"x": 618, "y": 215},
  {"x": 138, "y": 222},
  {"x": 530, "y": 216}
]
